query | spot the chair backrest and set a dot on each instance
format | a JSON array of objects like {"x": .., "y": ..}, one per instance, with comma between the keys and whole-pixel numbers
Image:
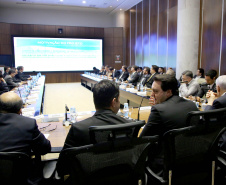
[
  {"x": 121, "y": 160},
  {"x": 189, "y": 151},
  {"x": 14, "y": 168},
  {"x": 109, "y": 132}
]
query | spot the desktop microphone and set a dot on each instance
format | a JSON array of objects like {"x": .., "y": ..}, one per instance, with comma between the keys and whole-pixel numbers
[
  {"x": 66, "y": 122},
  {"x": 138, "y": 114}
]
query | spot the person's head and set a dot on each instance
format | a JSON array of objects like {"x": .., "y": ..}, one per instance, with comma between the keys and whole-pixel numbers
[
  {"x": 200, "y": 72},
  {"x": 102, "y": 68},
  {"x": 10, "y": 102},
  {"x": 154, "y": 69},
  {"x": 12, "y": 72},
  {"x": 124, "y": 68},
  {"x": 139, "y": 69},
  {"x": 187, "y": 76},
  {"x": 20, "y": 69},
  {"x": 111, "y": 69},
  {"x": 170, "y": 71},
  {"x": 16, "y": 70},
  {"x": 146, "y": 70},
  {"x": 129, "y": 69},
  {"x": 163, "y": 87},
  {"x": 161, "y": 70},
  {"x": 211, "y": 76},
  {"x": 106, "y": 67},
  {"x": 134, "y": 68},
  {"x": 221, "y": 85},
  {"x": 106, "y": 96},
  {"x": 6, "y": 69}
]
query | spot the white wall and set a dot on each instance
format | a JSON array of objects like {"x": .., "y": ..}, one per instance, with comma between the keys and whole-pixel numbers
[
  {"x": 67, "y": 17},
  {"x": 119, "y": 19}
]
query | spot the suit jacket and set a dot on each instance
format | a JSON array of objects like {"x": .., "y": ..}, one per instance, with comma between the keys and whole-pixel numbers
[
  {"x": 21, "y": 134},
  {"x": 124, "y": 76},
  {"x": 134, "y": 78},
  {"x": 150, "y": 80},
  {"x": 204, "y": 89},
  {"x": 144, "y": 79},
  {"x": 9, "y": 80},
  {"x": 79, "y": 132},
  {"x": 22, "y": 76},
  {"x": 116, "y": 74},
  {"x": 189, "y": 89},
  {"x": 3, "y": 87},
  {"x": 170, "y": 114}
]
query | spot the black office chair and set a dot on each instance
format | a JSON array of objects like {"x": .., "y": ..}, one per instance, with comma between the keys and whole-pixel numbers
[
  {"x": 189, "y": 153},
  {"x": 14, "y": 168},
  {"x": 120, "y": 160}
]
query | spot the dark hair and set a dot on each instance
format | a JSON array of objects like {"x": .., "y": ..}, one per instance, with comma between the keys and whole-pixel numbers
[
  {"x": 188, "y": 73},
  {"x": 140, "y": 68},
  {"x": 104, "y": 92},
  {"x": 12, "y": 71},
  {"x": 135, "y": 67},
  {"x": 147, "y": 69},
  {"x": 111, "y": 68},
  {"x": 168, "y": 82},
  {"x": 162, "y": 68},
  {"x": 129, "y": 68},
  {"x": 125, "y": 67},
  {"x": 156, "y": 68},
  {"x": 1, "y": 76},
  {"x": 10, "y": 106},
  {"x": 211, "y": 73},
  {"x": 19, "y": 68},
  {"x": 201, "y": 70},
  {"x": 6, "y": 67}
]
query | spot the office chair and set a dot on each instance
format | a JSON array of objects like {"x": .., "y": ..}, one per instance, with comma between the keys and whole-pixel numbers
[
  {"x": 189, "y": 153},
  {"x": 119, "y": 160},
  {"x": 14, "y": 168}
]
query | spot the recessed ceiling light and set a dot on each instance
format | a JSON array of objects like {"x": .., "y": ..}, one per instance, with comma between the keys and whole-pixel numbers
[
  {"x": 110, "y": 6},
  {"x": 84, "y": 2},
  {"x": 61, "y": 0},
  {"x": 120, "y": 9}
]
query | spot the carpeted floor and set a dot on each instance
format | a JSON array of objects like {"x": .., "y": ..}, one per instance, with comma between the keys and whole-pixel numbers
[{"x": 72, "y": 94}]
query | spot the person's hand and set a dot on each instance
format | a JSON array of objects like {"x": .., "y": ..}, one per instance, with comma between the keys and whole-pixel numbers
[
  {"x": 211, "y": 96},
  {"x": 2, "y": 80},
  {"x": 152, "y": 100},
  {"x": 29, "y": 78},
  {"x": 192, "y": 98}
]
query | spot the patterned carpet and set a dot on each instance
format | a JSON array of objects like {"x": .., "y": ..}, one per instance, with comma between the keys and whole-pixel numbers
[{"x": 72, "y": 94}]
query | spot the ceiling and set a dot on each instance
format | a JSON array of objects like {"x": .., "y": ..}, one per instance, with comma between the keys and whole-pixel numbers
[{"x": 107, "y": 6}]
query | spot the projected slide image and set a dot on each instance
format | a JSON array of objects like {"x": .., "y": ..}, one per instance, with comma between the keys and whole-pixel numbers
[{"x": 57, "y": 54}]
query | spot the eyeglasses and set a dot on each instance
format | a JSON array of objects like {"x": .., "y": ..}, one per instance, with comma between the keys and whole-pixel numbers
[
  {"x": 52, "y": 129},
  {"x": 43, "y": 128}
]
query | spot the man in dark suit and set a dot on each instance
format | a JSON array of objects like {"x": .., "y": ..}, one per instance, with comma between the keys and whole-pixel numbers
[
  {"x": 217, "y": 101},
  {"x": 115, "y": 74},
  {"x": 20, "y": 75},
  {"x": 21, "y": 134},
  {"x": 209, "y": 85},
  {"x": 3, "y": 85},
  {"x": 165, "y": 96},
  {"x": 169, "y": 111},
  {"x": 124, "y": 75},
  {"x": 9, "y": 79},
  {"x": 107, "y": 104},
  {"x": 145, "y": 76},
  {"x": 134, "y": 77},
  {"x": 154, "y": 72},
  {"x": 6, "y": 71}
]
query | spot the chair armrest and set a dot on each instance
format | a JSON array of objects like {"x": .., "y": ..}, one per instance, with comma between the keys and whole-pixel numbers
[
  {"x": 49, "y": 169},
  {"x": 156, "y": 176}
]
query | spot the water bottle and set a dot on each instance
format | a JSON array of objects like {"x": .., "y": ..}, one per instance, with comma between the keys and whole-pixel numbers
[
  {"x": 126, "y": 110},
  {"x": 73, "y": 114}
]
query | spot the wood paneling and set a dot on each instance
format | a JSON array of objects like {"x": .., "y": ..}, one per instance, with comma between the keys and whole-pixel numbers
[
  {"x": 211, "y": 36},
  {"x": 127, "y": 37},
  {"x": 153, "y": 31},
  {"x": 223, "y": 55}
]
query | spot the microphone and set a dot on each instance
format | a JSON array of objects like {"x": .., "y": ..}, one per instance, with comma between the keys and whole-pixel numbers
[
  {"x": 138, "y": 114},
  {"x": 66, "y": 122}
]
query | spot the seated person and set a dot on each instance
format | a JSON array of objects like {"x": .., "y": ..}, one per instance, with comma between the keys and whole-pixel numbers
[
  {"x": 115, "y": 74},
  {"x": 19, "y": 133},
  {"x": 110, "y": 72},
  {"x": 16, "y": 80},
  {"x": 106, "y": 70},
  {"x": 209, "y": 85},
  {"x": 9, "y": 79},
  {"x": 6, "y": 71},
  {"x": 102, "y": 71},
  {"x": 189, "y": 86},
  {"x": 161, "y": 70},
  {"x": 154, "y": 72},
  {"x": 95, "y": 70},
  {"x": 3, "y": 85},
  {"x": 21, "y": 75},
  {"x": 133, "y": 78},
  {"x": 199, "y": 77},
  {"x": 139, "y": 70},
  {"x": 124, "y": 75},
  {"x": 145, "y": 76}
]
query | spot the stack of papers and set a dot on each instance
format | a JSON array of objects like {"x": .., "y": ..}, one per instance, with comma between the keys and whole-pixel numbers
[{"x": 142, "y": 93}]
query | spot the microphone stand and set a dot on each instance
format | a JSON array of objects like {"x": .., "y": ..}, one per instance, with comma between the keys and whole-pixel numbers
[
  {"x": 66, "y": 122},
  {"x": 138, "y": 114}
]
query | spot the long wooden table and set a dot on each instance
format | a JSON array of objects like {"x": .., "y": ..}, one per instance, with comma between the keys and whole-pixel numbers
[{"x": 125, "y": 96}]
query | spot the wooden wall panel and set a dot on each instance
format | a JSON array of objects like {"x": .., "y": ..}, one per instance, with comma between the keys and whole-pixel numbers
[
  {"x": 133, "y": 35},
  {"x": 162, "y": 33},
  {"x": 146, "y": 32},
  {"x": 28, "y": 29},
  {"x": 211, "y": 36},
  {"x": 139, "y": 35},
  {"x": 223, "y": 57},
  {"x": 172, "y": 34},
  {"x": 127, "y": 37}
]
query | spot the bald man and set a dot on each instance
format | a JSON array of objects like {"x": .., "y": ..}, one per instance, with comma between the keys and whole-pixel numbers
[{"x": 19, "y": 133}]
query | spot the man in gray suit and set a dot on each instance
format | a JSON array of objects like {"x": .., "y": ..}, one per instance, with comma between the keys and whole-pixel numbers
[{"x": 134, "y": 77}]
